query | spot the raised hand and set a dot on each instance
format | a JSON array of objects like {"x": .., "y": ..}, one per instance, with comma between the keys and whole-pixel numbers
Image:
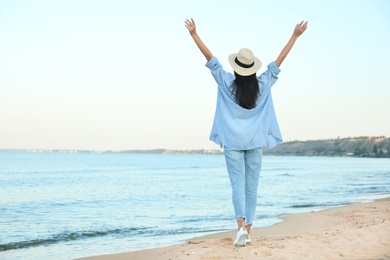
[
  {"x": 191, "y": 26},
  {"x": 300, "y": 28}
]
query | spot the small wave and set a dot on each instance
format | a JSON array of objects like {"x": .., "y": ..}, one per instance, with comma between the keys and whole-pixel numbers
[
  {"x": 305, "y": 206},
  {"x": 195, "y": 219},
  {"x": 63, "y": 238},
  {"x": 285, "y": 174},
  {"x": 314, "y": 205},
  {"x": 279, "y": 169}
]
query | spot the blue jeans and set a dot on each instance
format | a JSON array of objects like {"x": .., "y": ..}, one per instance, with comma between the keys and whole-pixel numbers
[{"x": 244, "y": 168}]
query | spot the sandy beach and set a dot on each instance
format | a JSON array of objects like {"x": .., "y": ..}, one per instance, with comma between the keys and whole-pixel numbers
[{"x": 358, "y": 231}]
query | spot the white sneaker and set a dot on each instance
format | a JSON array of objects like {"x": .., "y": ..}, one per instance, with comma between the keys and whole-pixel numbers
[
  {"x": 241, "y": 237},
  {"x": 248, "y": 240}
]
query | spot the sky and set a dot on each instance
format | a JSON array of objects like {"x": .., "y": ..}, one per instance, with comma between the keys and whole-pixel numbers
[{"x": 121, "y": 75}]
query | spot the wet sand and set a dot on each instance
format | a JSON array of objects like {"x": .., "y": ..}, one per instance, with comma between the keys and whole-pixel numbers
[{"x": 357, "y": 231}]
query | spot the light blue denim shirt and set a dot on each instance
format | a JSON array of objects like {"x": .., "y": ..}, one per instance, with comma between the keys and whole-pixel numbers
[{"x": 243, "y": 129}]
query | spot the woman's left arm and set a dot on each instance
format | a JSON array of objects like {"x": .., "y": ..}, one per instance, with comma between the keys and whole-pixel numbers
[
  {"x": 190, "y": 24},
  {"x": 299, "y": 29}
]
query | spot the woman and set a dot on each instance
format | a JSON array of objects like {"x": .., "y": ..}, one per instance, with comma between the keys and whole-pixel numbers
[{"x": 244, "y": 122}]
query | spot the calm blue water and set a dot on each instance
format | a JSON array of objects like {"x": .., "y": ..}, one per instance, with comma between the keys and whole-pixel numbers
[{"x": 65, "y": 206}]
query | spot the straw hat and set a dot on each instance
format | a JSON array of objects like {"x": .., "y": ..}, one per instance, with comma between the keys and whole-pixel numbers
[{"x": 244, "y": 62}]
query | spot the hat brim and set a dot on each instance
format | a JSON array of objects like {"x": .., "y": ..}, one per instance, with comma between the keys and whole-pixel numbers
[{"x": 244, "y": 71}]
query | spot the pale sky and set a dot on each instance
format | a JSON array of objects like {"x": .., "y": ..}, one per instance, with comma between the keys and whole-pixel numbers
[{"x": 117, "y": 75}]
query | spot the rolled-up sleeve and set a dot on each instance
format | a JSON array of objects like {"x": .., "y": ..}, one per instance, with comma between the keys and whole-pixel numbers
[
  {"x": 219, "y": 74},
  {"x": 273, "y": 69},
  {"x": 269, "y": 77}
]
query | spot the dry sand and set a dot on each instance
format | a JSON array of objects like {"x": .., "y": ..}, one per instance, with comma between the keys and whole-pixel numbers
[{"x": 358, "y": 231}]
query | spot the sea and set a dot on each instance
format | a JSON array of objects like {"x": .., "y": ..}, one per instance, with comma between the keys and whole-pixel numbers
[{"x": 73, "y": 205}]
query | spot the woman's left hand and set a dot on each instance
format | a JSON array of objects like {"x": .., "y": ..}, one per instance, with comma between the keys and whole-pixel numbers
[
  {"x": 300, "y": 28},
  {"x": 191, "y": 26}
]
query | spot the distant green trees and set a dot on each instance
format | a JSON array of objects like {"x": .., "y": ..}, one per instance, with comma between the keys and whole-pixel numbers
[{"x": 351, "y": 146}]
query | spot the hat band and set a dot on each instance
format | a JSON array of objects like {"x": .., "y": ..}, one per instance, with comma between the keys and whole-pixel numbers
[{"x": 244, "y": 65}]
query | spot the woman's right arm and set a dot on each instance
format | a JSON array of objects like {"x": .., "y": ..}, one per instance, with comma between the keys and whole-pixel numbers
[{"x": 202, "y": 47}]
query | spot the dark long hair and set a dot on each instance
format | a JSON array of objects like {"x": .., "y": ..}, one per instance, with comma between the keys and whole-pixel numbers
[{"x": 246, "y": 89}]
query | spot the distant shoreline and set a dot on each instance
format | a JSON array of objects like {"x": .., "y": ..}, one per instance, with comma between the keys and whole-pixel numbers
[
  {"x": 151, "y": 151},
  {"x": 373, "y": 147}
]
